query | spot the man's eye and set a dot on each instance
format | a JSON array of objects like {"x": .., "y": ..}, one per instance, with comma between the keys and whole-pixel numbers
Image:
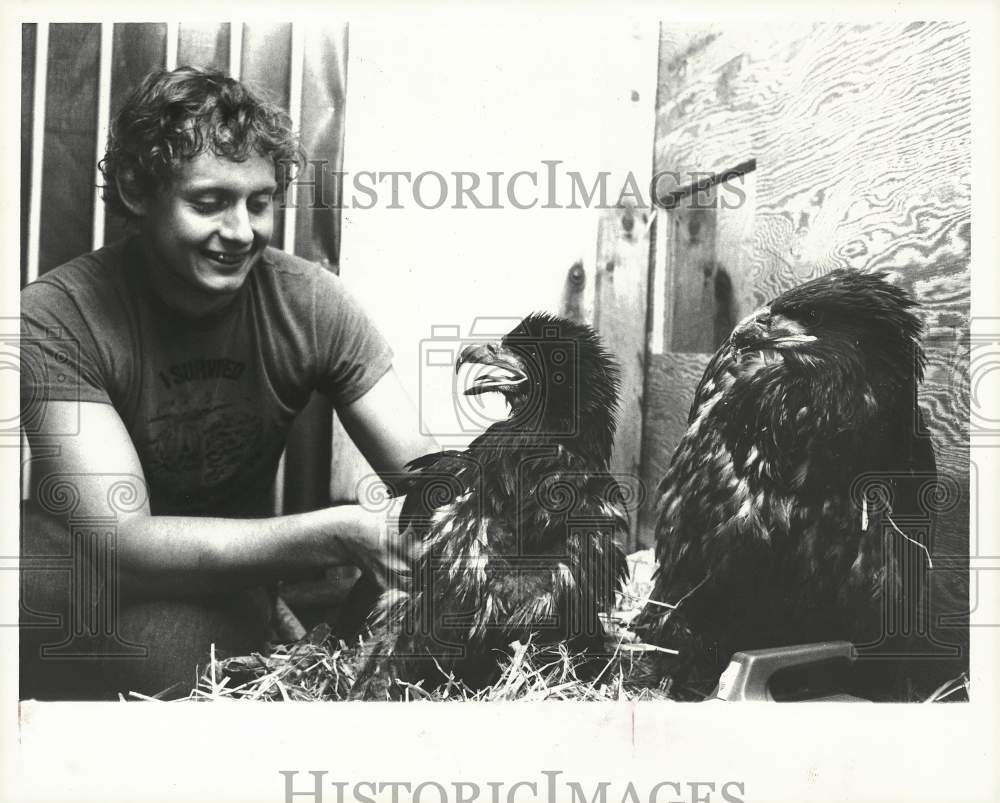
[
  {"x": 206, "y": 207},
  {"x": 260, "y": 205}
]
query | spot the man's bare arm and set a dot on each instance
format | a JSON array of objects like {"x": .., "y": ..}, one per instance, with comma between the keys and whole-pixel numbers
[
  {"x": 385, "y": 426},
  {"x": 176, "y": 555},
  {"x": 187, "y": 555}
]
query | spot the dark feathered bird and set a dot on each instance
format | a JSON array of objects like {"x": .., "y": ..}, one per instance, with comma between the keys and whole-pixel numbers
[
  {"x": 520, "y": 530},
  {"x": 782, "y": 517}
]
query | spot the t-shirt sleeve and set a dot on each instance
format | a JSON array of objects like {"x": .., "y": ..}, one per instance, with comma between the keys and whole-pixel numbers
[
  {"x": 58, "y": 354},
  {"x": 352, "y": 354}
]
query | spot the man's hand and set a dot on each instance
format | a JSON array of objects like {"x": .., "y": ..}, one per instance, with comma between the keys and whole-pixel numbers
[{"x": 381, "y": 551}]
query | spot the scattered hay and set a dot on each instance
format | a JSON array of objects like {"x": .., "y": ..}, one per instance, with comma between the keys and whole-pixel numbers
[
  {"x": 308, "y": 670},
  {"x": 317, "y": 667}
]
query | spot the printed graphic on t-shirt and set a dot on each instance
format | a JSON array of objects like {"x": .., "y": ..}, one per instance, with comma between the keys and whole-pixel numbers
[
  {"x": 219, "y": 368},
  {"x": 200, "y": 446}
]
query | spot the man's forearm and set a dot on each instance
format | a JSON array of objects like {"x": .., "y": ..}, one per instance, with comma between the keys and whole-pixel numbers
[{"x": 179, "y": 556}]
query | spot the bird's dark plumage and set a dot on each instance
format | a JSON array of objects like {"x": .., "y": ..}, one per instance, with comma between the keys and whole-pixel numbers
[
  {"x": 782, "y": 517},
  {"x": 520, "y": 529}
]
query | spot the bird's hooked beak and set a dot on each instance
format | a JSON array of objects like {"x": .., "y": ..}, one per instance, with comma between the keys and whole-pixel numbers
[
  {"x": 762, "y": 329},
  {"x": 752, "y": 330},
  {"x": 505, "y": 370}
]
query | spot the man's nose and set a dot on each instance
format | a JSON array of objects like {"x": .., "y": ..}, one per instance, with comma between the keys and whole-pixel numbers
[{"x": 236, "y": 225}]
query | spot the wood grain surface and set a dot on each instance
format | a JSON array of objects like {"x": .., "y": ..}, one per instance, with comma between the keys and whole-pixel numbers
[{"x": 861, "y": 135}]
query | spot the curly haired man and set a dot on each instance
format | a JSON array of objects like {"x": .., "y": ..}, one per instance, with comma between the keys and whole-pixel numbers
[{"x": 194, "y": 345}]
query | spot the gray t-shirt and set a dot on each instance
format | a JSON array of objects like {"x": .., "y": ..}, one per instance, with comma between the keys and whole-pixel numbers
[{"x": 208, "y": 402}]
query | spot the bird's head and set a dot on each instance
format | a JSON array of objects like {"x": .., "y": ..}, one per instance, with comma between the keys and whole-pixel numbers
[
  {"x": 556, "y": 376},
  {"x": 844, "y": 314}
]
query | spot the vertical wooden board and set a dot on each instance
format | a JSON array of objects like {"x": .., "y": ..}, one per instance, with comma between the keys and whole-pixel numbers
[
  {"x": 618, "y": 295},
  {"x": 266, "y": 62},
  {"x": 138, "y": 48},
  {"x": 204, "y": 45},
  {"x": 317, "y": 472},
  {"x": 671, "y": 380},
  {"x": 324, "y": 90},
  {"x": 691, "y": 285},
  {"x": 266, "y": 68},
  {"x": 706, "y": 286},
  {"x": 571, "y": 306},
  {"x": 29, "y": 33},
  {"x": 734, "y": 244},
  {"x": 620, "y": 310},
  {"x": 70, "y": 143},
  {"x": 317, "y": 235}
]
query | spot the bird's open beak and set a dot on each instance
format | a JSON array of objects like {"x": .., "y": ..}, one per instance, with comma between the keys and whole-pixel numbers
[{"x": 504, "y": 369}]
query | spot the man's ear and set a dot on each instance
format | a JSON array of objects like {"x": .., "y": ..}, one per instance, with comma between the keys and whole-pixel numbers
[{"x": 128, "y": 191}]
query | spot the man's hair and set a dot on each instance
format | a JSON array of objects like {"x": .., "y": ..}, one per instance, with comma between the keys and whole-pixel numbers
[{"x": 175, "y": 115}]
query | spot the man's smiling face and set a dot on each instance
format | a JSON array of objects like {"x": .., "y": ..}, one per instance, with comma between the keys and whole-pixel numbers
[{"x": 206, "y": 231}]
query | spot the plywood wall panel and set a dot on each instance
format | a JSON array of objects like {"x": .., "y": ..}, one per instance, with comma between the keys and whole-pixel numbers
[{"x": 861, "y": 135}]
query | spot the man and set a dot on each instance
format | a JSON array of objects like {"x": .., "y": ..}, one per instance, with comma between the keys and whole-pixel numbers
[{"x": 165, "y": 372}]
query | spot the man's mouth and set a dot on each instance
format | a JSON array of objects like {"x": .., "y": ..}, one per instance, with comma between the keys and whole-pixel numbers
[{"x": 225, "y": 258}]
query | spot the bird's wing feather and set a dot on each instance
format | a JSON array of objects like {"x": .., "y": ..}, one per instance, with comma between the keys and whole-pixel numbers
[{"x": 434, "y": 481}]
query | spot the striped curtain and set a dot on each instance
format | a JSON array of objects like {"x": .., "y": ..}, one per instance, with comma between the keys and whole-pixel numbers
[{"x": 74, "y": 79}]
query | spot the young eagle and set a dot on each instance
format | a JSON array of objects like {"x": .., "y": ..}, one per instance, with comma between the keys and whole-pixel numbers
[
  {"x": 783, "y": 514},
  {"x": 519, "y": 530}
]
